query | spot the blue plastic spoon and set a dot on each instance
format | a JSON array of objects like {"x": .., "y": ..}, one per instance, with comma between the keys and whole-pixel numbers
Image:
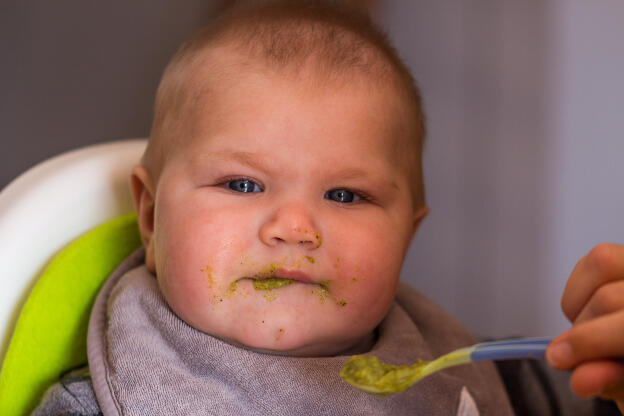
[{"x": 369, "y": 374}]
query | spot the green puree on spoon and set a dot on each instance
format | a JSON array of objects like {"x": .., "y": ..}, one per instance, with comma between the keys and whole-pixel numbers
[
  {"x": 373, "y": 376},
  {"x": 369, "y": 374}
]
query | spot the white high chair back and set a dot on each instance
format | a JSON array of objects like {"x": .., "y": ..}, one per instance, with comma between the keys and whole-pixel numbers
[{"x": 50, "y": 205}]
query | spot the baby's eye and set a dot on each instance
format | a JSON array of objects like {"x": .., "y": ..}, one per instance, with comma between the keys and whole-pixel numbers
[
  {"x": 342, "y": 195},
  {"x": 243, "y": 185}
]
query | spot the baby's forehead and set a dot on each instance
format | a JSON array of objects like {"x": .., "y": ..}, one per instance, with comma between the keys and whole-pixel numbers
[
  {"x": 227, "y": 73},
  {"x": 213, "y": 91}
]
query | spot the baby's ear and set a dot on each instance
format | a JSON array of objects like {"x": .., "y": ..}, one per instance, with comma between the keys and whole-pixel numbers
[
  {"x": 143, "y": 194},
  {"x": 419, "y": 214}
]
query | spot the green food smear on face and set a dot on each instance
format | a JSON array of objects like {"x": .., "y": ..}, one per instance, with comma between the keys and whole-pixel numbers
[
  {"x": 319, "y": 240},
  {"x": 310, "y": 259},
  {"x": 269, "y": 270},
  {"x": 371, "y": 375},
  {"x": 271, "y": 283}
]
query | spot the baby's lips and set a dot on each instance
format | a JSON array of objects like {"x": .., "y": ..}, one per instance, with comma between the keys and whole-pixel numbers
[{"x": 297, "y": 275}]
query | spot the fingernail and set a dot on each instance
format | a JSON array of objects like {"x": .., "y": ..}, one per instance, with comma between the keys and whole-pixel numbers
[{"x": 560, "y": 354}]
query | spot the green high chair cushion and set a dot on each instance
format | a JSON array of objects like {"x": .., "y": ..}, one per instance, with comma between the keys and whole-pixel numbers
[{"x": 50, "y": 336}]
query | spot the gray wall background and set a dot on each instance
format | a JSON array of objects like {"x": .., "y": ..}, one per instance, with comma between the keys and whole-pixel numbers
[{"x": 525, "y": 105}]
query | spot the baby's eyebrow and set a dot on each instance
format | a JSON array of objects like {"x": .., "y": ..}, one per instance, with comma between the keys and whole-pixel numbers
[
  {"x": 246, "y": 158},
  {"x": 354, "y": 173}
]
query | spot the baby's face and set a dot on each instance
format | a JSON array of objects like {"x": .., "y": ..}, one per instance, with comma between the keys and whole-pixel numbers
[{"x": 283, "y": 222}]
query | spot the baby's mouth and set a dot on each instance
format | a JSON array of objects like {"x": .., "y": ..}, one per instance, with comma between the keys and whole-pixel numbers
[
  {"x": 295, "y": 275},
  {"x": 280, "y": 278},
  {"x": 271, "y": 283}
]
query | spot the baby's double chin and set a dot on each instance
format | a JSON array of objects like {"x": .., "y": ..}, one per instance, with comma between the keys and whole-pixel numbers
[{"x": 320, "y": 349}]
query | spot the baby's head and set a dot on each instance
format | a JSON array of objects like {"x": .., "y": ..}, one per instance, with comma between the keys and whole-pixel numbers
[{"x": 282, "y": 183}]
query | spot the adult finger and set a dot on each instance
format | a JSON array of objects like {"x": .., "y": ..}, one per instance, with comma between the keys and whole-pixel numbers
[
  {"x": 603, "y": 264},
  {"x": 591, "y": 340},
  {"x": 603, "y": 378},
  {"x": 606, "y": 299}
]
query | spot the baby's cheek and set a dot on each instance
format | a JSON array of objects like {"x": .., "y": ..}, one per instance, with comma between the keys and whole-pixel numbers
[
  {"x": 368, "y": 295},
  {"x": 178, "y": 288}
]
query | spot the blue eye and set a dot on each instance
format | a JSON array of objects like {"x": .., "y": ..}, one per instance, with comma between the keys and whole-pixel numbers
[
  {"x": 342, "y": 195},
  {"x": 244, "y": 185}
]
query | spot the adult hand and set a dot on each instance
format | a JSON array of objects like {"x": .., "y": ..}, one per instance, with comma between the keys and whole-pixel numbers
[{"x": 593, "y": 300}]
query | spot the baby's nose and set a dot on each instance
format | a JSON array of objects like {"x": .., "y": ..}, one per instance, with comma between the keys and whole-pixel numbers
[{"x": 293, "y": 225}]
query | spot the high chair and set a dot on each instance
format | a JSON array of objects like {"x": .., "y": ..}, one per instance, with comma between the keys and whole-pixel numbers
[{"x": 48, "y": 276}]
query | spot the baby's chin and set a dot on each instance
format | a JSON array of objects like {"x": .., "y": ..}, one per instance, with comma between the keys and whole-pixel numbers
[
  {"x": 315, "y": 332},
  {"x": 294, "y": 320}
]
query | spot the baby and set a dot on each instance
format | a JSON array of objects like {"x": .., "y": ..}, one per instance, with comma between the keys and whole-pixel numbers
[{"x": 276, "y": 200}]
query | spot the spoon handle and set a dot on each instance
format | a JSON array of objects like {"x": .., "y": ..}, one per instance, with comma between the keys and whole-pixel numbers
[{"x": 533, "y": 348}]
